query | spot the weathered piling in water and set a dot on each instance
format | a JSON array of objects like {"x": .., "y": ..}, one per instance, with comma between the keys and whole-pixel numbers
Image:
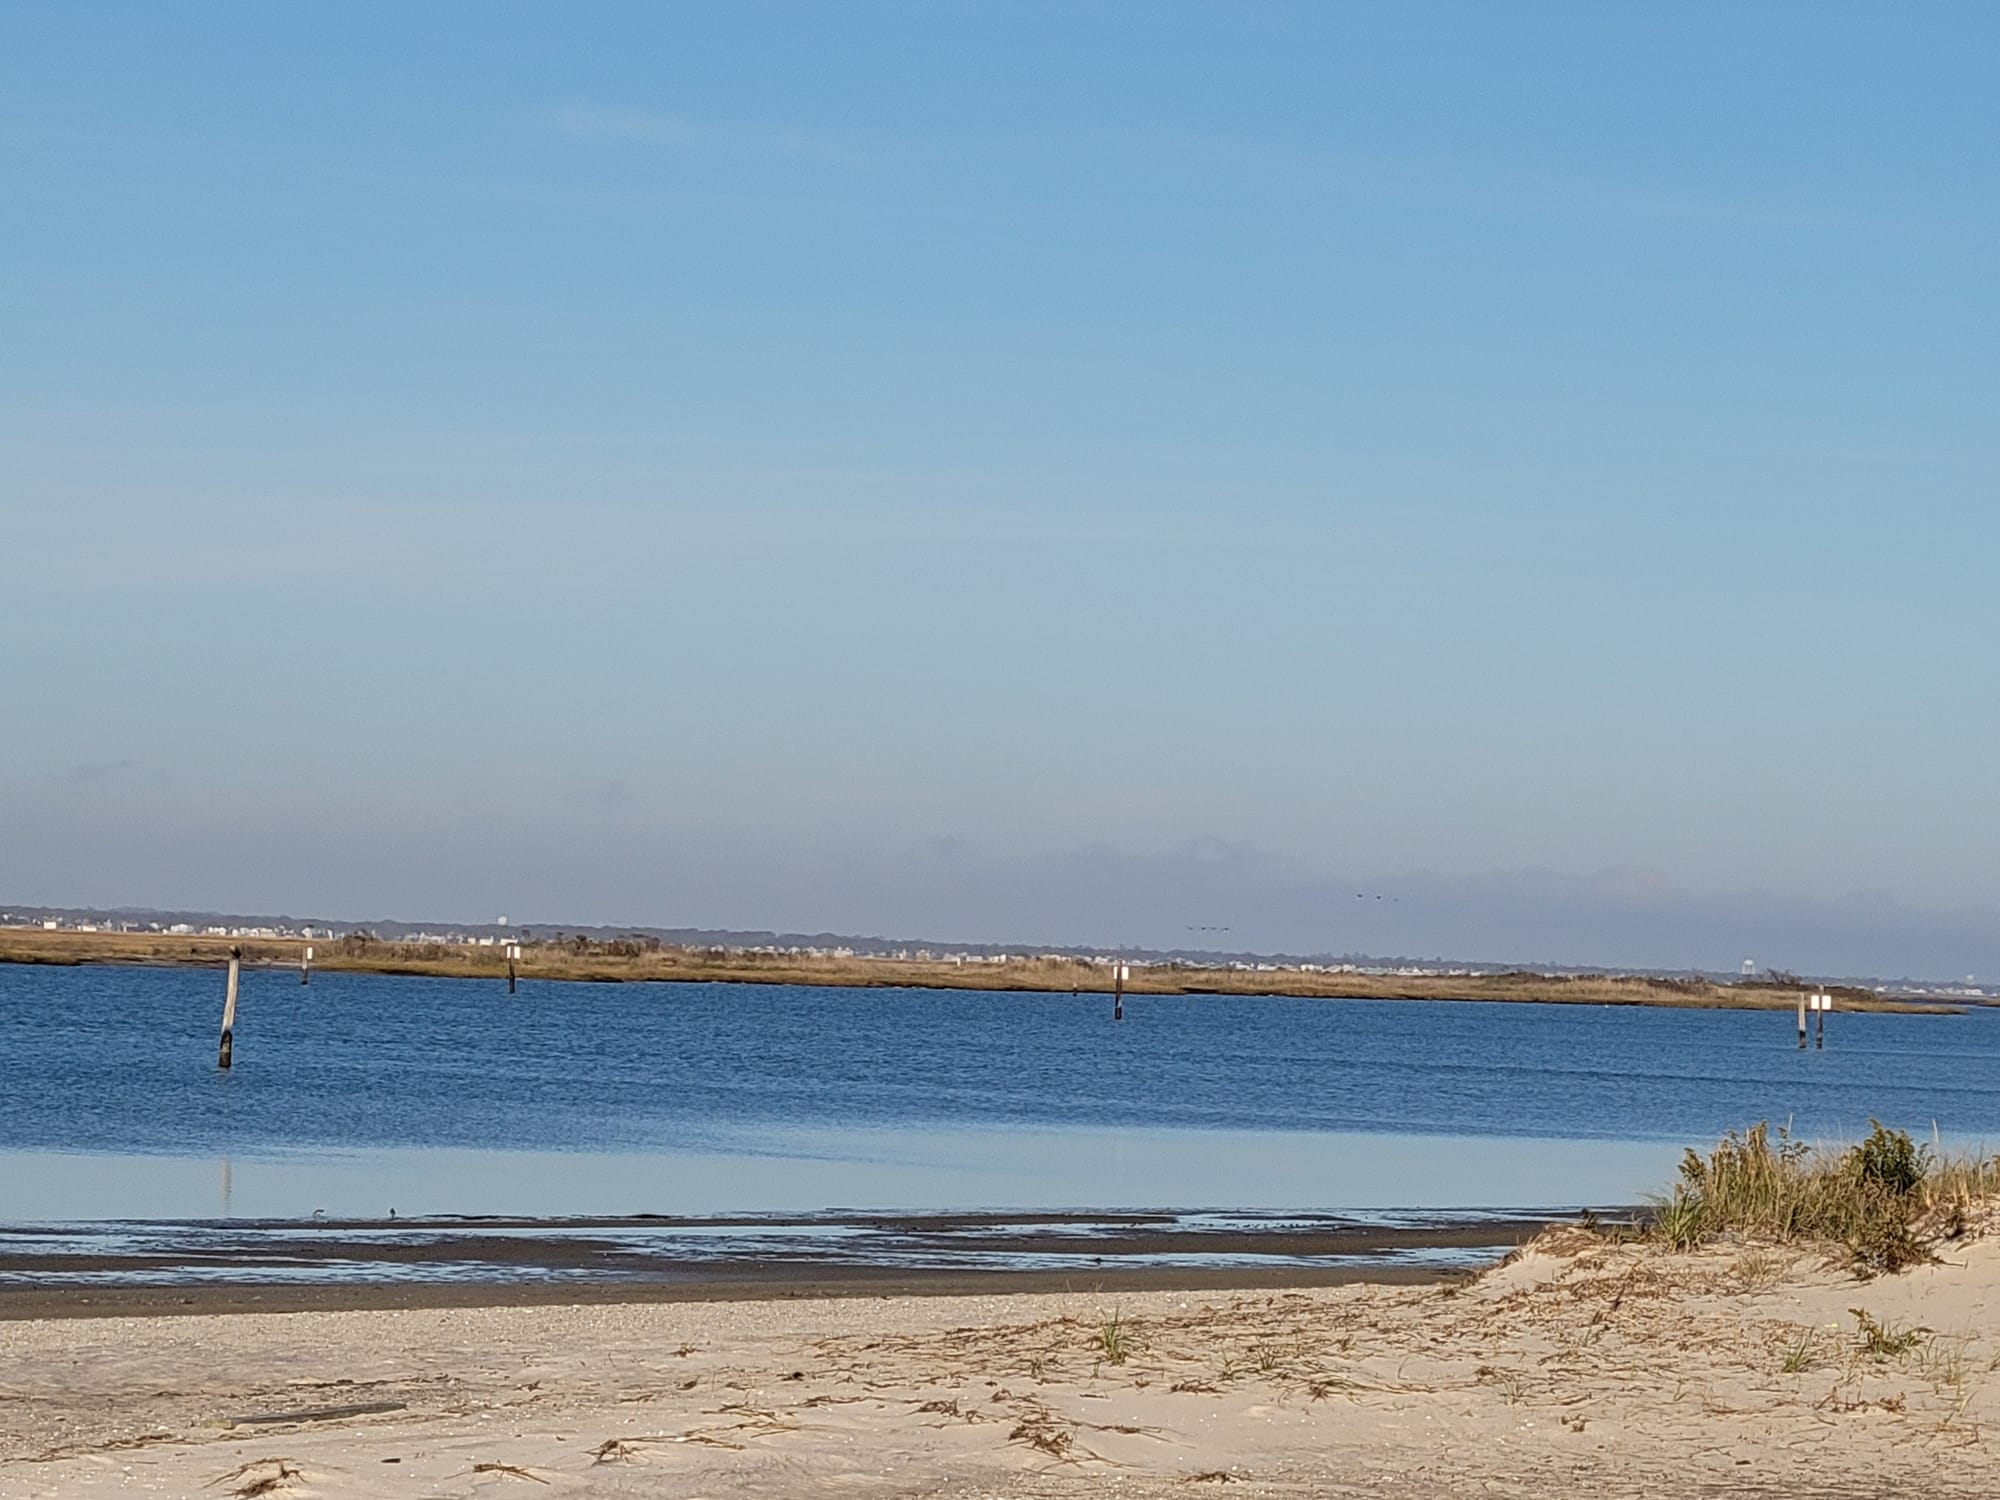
[
  {"x": 513, "y": 957},
  {"x": 305, "y": 966},
  {"x": 1802, "y": 1020},
  {"x": 1118, "y": 975},
  {"x": 229, "y": 1011}
]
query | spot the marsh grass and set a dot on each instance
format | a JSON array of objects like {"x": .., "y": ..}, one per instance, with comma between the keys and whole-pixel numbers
[
  {"x": 1887, "y": 1201},
  {"x": 643, "y": 957}
]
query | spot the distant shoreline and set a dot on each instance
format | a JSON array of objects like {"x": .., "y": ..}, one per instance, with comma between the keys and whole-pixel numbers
[{"x": 633, "y": 962}]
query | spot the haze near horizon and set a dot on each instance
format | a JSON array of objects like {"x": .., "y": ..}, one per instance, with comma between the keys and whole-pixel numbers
[{"x": 1017, "y": 473}]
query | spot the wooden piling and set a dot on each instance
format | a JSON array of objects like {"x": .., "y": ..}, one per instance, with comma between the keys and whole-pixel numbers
[
  {"x": 1802, "y": 1020},
  {"x": 1118, "y": 972},
  {"x": 513, "y": 953},
  {"x": 305, "y": 965},
  {"x": 1824, "y": 1004},
  {"x": 229, "y": 1011}
]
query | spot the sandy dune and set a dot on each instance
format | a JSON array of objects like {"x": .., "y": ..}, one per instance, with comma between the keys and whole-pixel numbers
[{"x": 1580, "y": 1368}]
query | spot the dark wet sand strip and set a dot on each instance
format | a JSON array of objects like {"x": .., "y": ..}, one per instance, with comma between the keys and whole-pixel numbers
[
  {"x": 747, "y": 1283},
  {"x": 291, "y": 1267}
]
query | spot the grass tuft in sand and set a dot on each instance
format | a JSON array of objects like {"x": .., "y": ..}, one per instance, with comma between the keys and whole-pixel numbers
[{"x": 1887, "y": 1201}]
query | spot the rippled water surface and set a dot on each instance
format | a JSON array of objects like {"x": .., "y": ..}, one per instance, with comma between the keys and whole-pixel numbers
[{"x": 787, "y": 1097}]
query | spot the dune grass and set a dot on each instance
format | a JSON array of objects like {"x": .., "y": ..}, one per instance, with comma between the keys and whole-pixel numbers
[{"x": 1886, "y": 1201}]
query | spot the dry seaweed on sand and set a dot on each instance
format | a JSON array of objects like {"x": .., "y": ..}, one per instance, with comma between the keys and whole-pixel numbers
[
  {"x": 512, "y": 1471},
  {"x": 260, "y": 1476},
  {"x": 315, "y": 1414}
]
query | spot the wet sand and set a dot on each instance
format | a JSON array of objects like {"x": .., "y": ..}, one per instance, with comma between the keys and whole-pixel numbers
[
  {"x": 359, "y": 1264},
  {"x": 748, "y": 1283}
]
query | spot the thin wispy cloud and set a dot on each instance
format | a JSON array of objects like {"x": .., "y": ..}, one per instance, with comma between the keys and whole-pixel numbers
[
  {"x": 601, "y": 791},
  {"x": 586, "y": 122},
  {"x": 1472, "y": 183},
  {"x": 98, "y": 773}
]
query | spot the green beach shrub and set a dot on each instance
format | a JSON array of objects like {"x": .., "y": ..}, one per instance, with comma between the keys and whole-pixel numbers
[{"x": 1891, "y": 1159}]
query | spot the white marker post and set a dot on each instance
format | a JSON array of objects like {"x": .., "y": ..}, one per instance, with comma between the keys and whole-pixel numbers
[
  {"x": 1822, "y": 1003},
  {"x": 305, "y": 965},
  {"x": 513, "y": 957},
  {"x": 1119, "y": 974},
  {"x": 1803, "y": 997},
  {"x": 229, "y": 1011}
]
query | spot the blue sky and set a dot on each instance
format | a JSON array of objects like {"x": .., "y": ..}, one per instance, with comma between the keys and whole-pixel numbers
[{"x": 1075, "y": 473}]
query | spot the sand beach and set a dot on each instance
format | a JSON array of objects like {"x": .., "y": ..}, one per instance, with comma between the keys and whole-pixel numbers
[{"x": 1580, "y": 1365}]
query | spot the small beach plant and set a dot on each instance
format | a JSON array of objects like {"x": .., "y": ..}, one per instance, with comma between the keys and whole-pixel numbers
[
  {"x": 1116, "y": 1340},
  {"x": 1799, "y": 1358},
  {"x": 1883, "y": 1340},
  {"x": 1678, "y": 1220}
]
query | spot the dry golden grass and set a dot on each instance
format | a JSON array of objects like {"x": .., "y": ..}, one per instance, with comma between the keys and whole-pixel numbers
[
  {"x": 1888, "y": 1200},
  {"x": 641, "y": 960}
]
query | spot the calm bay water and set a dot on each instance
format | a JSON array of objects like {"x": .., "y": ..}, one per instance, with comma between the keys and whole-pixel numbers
[{"x": 455, "y": 1097}]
